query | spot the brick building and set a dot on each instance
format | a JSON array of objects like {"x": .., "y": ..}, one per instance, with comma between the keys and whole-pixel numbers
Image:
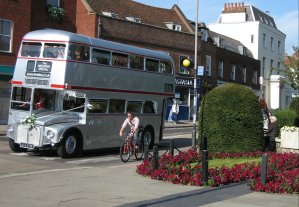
[{"x": 141, "y": 25}]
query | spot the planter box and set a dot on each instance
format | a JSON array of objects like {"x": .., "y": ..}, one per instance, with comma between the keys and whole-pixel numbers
[{"x": 290, "y": 140}]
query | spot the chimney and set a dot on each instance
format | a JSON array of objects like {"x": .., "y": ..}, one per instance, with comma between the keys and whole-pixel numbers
[
  {"x": 236, "y": 7},
  {"x": 225, "y": 8},
  {"x": 243, "y": 9}
]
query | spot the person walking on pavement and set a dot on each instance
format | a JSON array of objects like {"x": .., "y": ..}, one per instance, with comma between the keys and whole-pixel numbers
[{"x": 175, "y": 110}]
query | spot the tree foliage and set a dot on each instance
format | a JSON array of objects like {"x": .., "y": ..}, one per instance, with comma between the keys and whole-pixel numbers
[{"x": 292, "y": 69}]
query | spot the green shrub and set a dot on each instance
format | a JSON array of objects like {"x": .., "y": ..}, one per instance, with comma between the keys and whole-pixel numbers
[
  {"x": 232, "y": 120},
  {"x": 285, "y": 117},
  {"x": 295, "y": 105}
]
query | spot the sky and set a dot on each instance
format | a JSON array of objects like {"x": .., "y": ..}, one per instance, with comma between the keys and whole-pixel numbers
[{"x": 284, "y": 12}]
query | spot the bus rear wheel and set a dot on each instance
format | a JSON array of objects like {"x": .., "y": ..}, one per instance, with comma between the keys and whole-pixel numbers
[
  {"x": 15, "y": 147},
  {"x": 70, "y": 146}
]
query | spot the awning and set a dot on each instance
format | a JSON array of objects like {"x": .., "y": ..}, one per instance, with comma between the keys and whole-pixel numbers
[{"x": 6, "y": 70}]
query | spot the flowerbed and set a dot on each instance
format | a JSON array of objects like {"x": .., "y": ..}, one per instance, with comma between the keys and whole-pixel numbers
[{"x": 185, "y": 168}]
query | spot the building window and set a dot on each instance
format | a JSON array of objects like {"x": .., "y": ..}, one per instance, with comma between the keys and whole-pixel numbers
[
  {"x": 134, "y": 19},
  {"x": 251, "y": 38},
  {"x": 173, "y": 26},
  {"x": 264, "y": 40},
  {"x": 272, "y": 39},
  {"x": 243, "y": 77},
  {"x": 208, "y": 65},
  {"x": 110, "y": 14},
  {"x": 233, "y": 72},
  {"x": 5, "y": 35},
  {"x": 278, "y": 46},
  {"x": 263, "y": 67},
  {"x": 278, "y": 67},
  {"x": 271, "y": 63},
  {"x": 254, "y": 77},
  {"x": 55, "y": 3},
  {"x": 220, "y": 69}
]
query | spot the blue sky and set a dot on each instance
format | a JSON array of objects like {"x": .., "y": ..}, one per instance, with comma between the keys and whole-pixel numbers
[{"x": 285, "y": 13}]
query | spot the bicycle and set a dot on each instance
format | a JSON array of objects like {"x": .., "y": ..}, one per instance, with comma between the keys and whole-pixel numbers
[{"x": 128, "y": 148}]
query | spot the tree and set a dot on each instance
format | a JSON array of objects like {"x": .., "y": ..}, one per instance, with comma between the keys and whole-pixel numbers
[{"x": 291, "y": 64}]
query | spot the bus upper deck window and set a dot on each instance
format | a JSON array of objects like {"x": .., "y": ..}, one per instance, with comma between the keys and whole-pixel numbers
[
  {"x": 152, "y": 65},
  {"x": 78, "y": 53},
  {"x": 136, "y": 62},
  {"x": 31, "y": 49},
  {"x": 52, "y": 50},
  {"x": 119, "y": 59},
  {"x": 166, "y": 67},
  {"x": 101, "y": 56}
]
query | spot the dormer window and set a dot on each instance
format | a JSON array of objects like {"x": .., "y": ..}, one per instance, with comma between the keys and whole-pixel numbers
[
  {"x": 173, "y": 26},
  {"x": 219, "y": 42},
  {"x": 134, "y": 19},
  {"x": 110, "y": 14}
]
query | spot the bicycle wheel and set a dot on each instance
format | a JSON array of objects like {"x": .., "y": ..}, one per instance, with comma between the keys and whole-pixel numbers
[
  {"x": 124, "y": 152},
  {"x": 139, "y": 152}
]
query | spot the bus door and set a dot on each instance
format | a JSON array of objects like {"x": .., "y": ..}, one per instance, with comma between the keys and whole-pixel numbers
[{"x": 98, "y": 133}]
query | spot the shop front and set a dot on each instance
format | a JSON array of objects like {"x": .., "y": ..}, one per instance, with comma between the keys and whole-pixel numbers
[
  {"x": 184, "y": 94},
  {"x": 6, "y": 73}
]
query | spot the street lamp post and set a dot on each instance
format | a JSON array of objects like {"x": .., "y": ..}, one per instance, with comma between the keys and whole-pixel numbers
[{"x": 195, "y": 81}]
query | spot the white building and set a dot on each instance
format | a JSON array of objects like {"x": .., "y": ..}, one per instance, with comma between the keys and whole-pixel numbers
[{"x": 257, "y": 31}]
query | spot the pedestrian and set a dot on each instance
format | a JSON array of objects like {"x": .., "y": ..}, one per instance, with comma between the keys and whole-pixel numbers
[
  {"x": 269, "y": 124},
  {"x": 175, "y": 110}
]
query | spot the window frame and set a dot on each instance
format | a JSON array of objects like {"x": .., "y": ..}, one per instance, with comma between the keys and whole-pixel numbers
[
  {"x": 8, "y": 36},
  {"x": 208, "y": 68},
  {"x": 233, "y": 72},
  {"x": 220, "y": 68},
  {"x": 56, "y": 4}
]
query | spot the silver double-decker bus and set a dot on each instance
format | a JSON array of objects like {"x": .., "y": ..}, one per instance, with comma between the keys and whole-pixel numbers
[{"x": 71, "y": 92}]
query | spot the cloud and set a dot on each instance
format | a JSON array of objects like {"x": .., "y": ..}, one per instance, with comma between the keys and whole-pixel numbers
[{"x": 288, "y": 24}]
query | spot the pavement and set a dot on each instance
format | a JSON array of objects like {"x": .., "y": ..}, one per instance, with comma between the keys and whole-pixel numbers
[{"x": 119, "y": 185}]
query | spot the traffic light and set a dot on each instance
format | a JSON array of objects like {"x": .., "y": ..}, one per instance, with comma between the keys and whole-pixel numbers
[{"x": 186, "y": 63}]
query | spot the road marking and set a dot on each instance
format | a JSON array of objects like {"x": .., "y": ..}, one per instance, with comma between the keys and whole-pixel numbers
[
  {"x": 41, "y": 172},
  {"x": 93, "y": 160}
]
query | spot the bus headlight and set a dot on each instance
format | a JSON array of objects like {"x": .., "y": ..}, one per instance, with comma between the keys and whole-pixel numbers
[
  {"x": 10, "y": 129},
  {"x": 50, "y": 134}
]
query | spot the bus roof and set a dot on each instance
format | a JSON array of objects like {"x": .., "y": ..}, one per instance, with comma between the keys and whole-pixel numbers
[{"x": 64, "y": 36}]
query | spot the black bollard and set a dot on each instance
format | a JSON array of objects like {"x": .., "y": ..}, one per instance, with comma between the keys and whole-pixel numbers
[
  {"x": 264, "y": 169},
  {"x": 171, "y": 147},
  {"x": 155, "y": 158},
  {"x": 204, "y": 167}
]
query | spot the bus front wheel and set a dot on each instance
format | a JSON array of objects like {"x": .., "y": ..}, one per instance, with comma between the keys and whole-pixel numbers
[
  {"x": 15, "y": 147},
  {"x": 70, "y": 146}
]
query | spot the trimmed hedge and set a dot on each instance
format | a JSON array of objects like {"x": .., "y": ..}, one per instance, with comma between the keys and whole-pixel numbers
[
  {"x": 232, "y": 120},
  {"x": 285, "y": 117}
]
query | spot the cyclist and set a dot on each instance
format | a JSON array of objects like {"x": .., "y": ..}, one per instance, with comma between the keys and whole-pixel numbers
[{"x": 133, "y": 122}]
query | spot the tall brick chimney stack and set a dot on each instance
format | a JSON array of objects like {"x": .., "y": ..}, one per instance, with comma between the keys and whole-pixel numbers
[{"x": 233, "y": 7}]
